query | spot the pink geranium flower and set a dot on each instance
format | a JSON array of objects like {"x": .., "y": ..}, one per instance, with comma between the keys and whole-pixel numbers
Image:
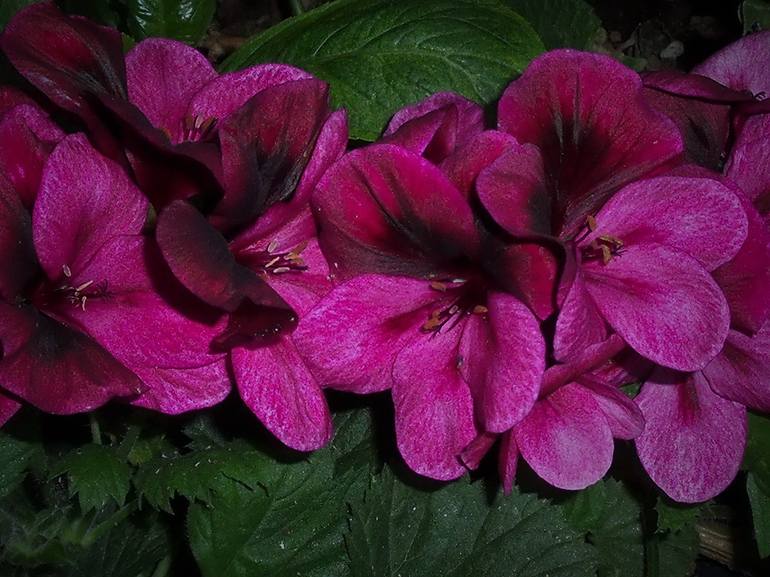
[
  {"x": 418, "y": 311},
  {"x": 79, "y": 301}
]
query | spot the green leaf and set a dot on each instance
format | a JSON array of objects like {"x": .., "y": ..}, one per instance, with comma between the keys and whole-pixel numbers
[
  {"x": 96, "y": 473},
  {"x": 103, "y": 11},
  {"x": 677, "y": 551},
  {"x": 455, "y": 531},
  {"x": 756, "y": 459},
  {"x": 673, "y": 516},
  {"x": 185, "y": 20},
  {"x": 760, "y": 509},
  {"x": 560, "y": 23},
  {"x": 16, "y": 456},
  {"x": 286, "y": 520},
  {"x": 755, "y": 15},
  {"x": 10, "y": 7},
  {"x": 612, "y": 518},
  {"x": 379, "y": 55}
]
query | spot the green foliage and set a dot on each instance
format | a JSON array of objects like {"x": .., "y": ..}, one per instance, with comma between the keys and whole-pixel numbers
[
  {"x": 10, "y": 7},
  {"x": 380, "y": 55},
  {"x": 755, "y": 15},
  {"x": 458, "y": 530},
  {"x": 560, "y": 23},
  {"x": 16, "y": 456},
  {"x": 760, "y": 509},
  {"x": 612, "y": 518},
  {"x": 756, "y": 459},
  {"x": 96, "y": 473},
  {"x": 185, "y": 20}
]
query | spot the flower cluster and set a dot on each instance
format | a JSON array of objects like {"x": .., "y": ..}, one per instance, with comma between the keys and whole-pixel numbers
[{"x": 206, "y": 230}]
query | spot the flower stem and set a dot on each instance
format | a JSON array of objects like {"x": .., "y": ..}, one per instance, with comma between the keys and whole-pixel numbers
[
  {"x": 96, "y": 431},
  {"x": 296, "y": 7}
]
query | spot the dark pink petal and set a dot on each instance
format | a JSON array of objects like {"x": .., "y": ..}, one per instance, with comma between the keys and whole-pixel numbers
[
  {"x": 277, "y": 386},
  {"x": 699, "y": 216},
  {"x": 581, "y": 363},
  {"x": 163, "y": 77},
  {"x": 28, "y": 136},
  {"x": 623, "y": 415},
  {"x": 68, "y": 58},
  {"x": 174, "y": 391},
  {"x": 529, "y": 271},
  {"x": 434, "y": 408},
  {"x": 199, "y": 257},
  {"x": 741, "y": 372},
  {"x": 742, "y": 65},
  {"x": 693, "y": 439},
  {"x": 508, "y": 460},
  {"x": 10, "y": 98},
  {"x": 16, "y": 247},
  {"x": 266, "y": 146},
  {"x": 8, "y": 408},
  {"x": 477, "y": 449},
  {"x": 663, "y": 304},
  {"x": 749, "y": 162},
  {"x": 566, "y": 438},
  {"x": 385, "y": 209},
  {"x": 745, "y": 280},
  {"x": 502, "y": 358},
  {"x": 225, "y": 94},
  {"x": 435, "y": 127},
  {"x": 515, "y": 191},
  {"x": 84, "y": 200},
  {"x": 580, "y": 324},
  {"x": 350, "y": 339},
  {"x": 694, "y": 86},
  {"x": 587, "y": 115},
  {"x": 464, "y": 166},
  {"x": 55, "y": 368}
]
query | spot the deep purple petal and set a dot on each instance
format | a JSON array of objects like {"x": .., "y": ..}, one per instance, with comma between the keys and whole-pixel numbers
[
  {"x": 742, "y": 65},
  {"x": 508, "y": 461},
  {"x": 10, "y": 98},
  {"x": 749, "y": 162},
  {"x": 434, "y": 408},
  {"x": 465, "y": 165},
  {"x": 503, "y": 359},
  {"x": 55, "y": 368},
  {"x": 663, "y": 304},
  {"x": 566, "y": 439},
  {"x": 84, "y": 200},
  {"x": 163, "y": 77},
  {"x": 698, "y": 216},
  {"x": 623, "y": 415},
  {"x": 16, "y": 247},
  {"x": 528, "y": 270},
  {"x": 279, "y": 389},
  {"x": 385, "y": 209},
  {"x": 351, "y": 338},
  {"x": 741, "y": 372},
  {"x": 693, "y": 439},
  {"x": 8, "y": 408},
  {"x": 587, "y": 115},
  {"x": 580, "y": 324}
]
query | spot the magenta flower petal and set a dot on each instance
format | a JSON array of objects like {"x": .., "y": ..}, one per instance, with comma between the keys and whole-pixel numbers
[
  {"x": 623, "y": 415},
  {"x": 698, "y": 216},
  {"x": 174, "y": 391},
  {"x": 741, "y": 372},
  {"x": 477, "y": 449},
  {"x": 434, "y": 407},
  {"x": 693, "y": 440},
  {"x": 508, "y": 461},
  {"x": 503, "y": 359},
  {"x": 19, "y": 260},
  {"x": 10, "y": 98},
  {"x": 350, "y": 339},
  {"x": 465, "y": 165},
  {"x": 749, "y": 162},
  {"x": 529, "y": 271},
  {"x": 745, "y": 280},
  {"x": 390, "y": 211},
  {"x": 266, "y": 146},
  {"x": 225, "y": 94},
  {"x": 514, "y": 189},
  {"x": 663, "y": 304},
  {"x": 585, "y": 361},
  {"x": 84, "y": 201},
  {"x": 435, "y": 127},
  {"x": 199, "y": 257},
  {"x": 28, "y": 136},
  {"x": 586, "y": 114},
  {"x": 65, "y": 57},
  {"x": 8, "y": 408},
  {"x": 566, "y": 438},
  {"x": 579, "y": 325},
  {"x": 277, "y": 386},
  {"x": 163, "y": 77},
  {"x": 55, "y": 368},
  {"x": 742, "y": 65}
]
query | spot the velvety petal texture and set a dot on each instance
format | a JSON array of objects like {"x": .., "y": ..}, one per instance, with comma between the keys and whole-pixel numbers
[{"x": 742, "y": 65}]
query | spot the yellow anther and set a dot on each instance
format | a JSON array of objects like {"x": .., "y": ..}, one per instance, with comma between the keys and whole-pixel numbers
[{"x": 480, "y": 310}]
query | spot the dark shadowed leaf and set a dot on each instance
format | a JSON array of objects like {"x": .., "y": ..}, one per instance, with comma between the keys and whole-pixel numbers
[
  {"x": 185, "y": 20},
  {"x": 96, "y": 473},
  {"x": 560, "y": 23}
]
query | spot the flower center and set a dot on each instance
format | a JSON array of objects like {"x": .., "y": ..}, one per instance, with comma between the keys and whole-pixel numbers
[
  {"x": 273, "y": 261},
  {"x": 603, "y": 248},
  {"x": 194, "y": 128},
  {"x": 46, "y": 294},
  {"x": 464, "y": 298}
]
